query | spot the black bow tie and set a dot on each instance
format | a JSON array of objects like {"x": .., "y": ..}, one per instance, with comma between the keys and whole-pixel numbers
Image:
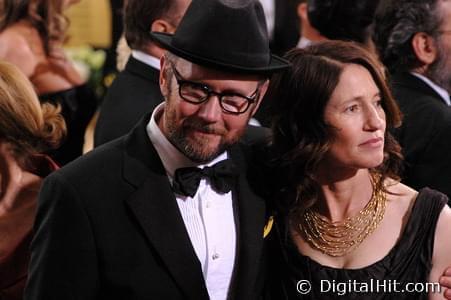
[{"x": 221, "y": 175}]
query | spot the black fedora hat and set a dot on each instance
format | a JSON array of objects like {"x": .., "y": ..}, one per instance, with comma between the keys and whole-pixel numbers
[{"x": 229, "y": 35}]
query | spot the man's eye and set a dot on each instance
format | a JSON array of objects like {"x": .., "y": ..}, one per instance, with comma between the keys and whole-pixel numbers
[{"x": 193, "y": 91}]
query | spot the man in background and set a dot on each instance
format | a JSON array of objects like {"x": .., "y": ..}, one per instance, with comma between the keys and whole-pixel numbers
[
  {"x": 136, "y": 89},
  {"x": 308, "y": 34},
  {"x": 413, "y": 39}
]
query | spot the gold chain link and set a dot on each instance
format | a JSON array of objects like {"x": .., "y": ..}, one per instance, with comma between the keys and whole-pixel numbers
[{"x": 339, "y": 238}]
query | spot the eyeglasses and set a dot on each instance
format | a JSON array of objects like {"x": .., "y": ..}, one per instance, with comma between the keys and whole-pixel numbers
[{"x": 197, "y": 93}]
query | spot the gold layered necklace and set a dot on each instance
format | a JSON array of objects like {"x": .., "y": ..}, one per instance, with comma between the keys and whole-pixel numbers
[{"x": 339, "y": 238}]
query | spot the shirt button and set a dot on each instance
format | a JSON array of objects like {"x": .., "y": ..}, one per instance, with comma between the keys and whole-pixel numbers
[
  {"x": 215, "y": 256},
  {"x": 208, "y": 204}
]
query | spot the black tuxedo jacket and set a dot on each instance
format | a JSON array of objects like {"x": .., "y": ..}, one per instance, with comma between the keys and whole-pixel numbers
[
  {"x": 285, "y": 37},
  {"x": 286, "y": 26},
  {"x": 108, "y": 227},
  {"x": 424, "y": 135},
  {"x": 134, "y": 92}
]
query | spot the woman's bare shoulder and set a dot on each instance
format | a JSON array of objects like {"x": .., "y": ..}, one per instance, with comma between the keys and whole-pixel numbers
[
  {"x": 441, "y": 259},
  {"x": 15, "y": 48},
  {"x": 400, "y": 192}
]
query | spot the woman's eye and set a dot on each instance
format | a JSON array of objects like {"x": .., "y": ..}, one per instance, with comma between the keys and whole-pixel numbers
[{"x": 352, "y": 108}]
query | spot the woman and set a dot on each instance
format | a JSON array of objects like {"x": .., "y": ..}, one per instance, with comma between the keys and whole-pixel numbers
[
  {"x": 343, "y": 218},
  {"x": 26, "y": 131},
  {"x": 31, "y": 36}
]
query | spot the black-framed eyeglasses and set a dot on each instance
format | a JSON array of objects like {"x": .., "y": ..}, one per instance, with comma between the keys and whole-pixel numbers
[{"x": 197, "y": 93}]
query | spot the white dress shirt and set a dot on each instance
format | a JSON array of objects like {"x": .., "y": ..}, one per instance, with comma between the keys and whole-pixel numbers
[
  {"x": 208, "y": 216},
  {"x": 269, "y": 8},
  {"x": 146, "y": 58},
  {"x": 439, "y": 90},
  {"x": 303, "y": 42}
]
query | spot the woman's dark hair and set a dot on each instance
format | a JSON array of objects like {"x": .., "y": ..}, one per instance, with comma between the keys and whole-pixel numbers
[{"x": 301, "y": 138}]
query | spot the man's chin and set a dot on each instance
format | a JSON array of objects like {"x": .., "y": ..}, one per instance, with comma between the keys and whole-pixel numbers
[
  {"x": 200, "y": 147},
  {"x": 203, "y": 153}
]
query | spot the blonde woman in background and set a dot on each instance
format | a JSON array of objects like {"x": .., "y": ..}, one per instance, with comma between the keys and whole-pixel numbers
[
  {"x": 32, "y": 33},
  {"x": 26, "y": 131}
]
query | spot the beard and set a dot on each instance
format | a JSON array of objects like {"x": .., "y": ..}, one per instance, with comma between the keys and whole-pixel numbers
[
  {"x": 440, "y": 70},
  {"x": 199, "y": 149}
]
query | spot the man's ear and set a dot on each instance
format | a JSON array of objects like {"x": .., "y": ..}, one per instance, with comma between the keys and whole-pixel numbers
[
  {"x": 263, "y": 90},
  {"x": 163, "y": 76},
  {"x": 161, "y": 25},
  {"x": 424, "y": 47}
]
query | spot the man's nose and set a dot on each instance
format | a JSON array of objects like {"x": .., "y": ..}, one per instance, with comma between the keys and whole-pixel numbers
[{"x": 210, "y": 110}]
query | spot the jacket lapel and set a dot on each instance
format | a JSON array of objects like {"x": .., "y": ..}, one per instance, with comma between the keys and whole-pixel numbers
[
  {"x": 410, "y": 81},
  {"x": 154, "y": 206},
  {"x": 251, "y": 221}
]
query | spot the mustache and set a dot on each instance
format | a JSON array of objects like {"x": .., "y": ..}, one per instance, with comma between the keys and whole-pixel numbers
[{"x": 201, "y": 126}]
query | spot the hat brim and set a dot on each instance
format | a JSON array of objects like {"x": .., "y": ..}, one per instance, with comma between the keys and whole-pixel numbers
[{"x": 276, "y": 63}]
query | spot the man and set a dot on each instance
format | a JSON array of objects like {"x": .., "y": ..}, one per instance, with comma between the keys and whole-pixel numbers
[
  {"x": 136, "y": 89},
  {"x": 308, "y": 34},
  {"x": 282, "y": 27},
  {"x": 135, "y": 219},
  {"x": 281, "y": 22},
  {"x": 336, "y": 20},
  {"x": 414, "y": 42}
]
